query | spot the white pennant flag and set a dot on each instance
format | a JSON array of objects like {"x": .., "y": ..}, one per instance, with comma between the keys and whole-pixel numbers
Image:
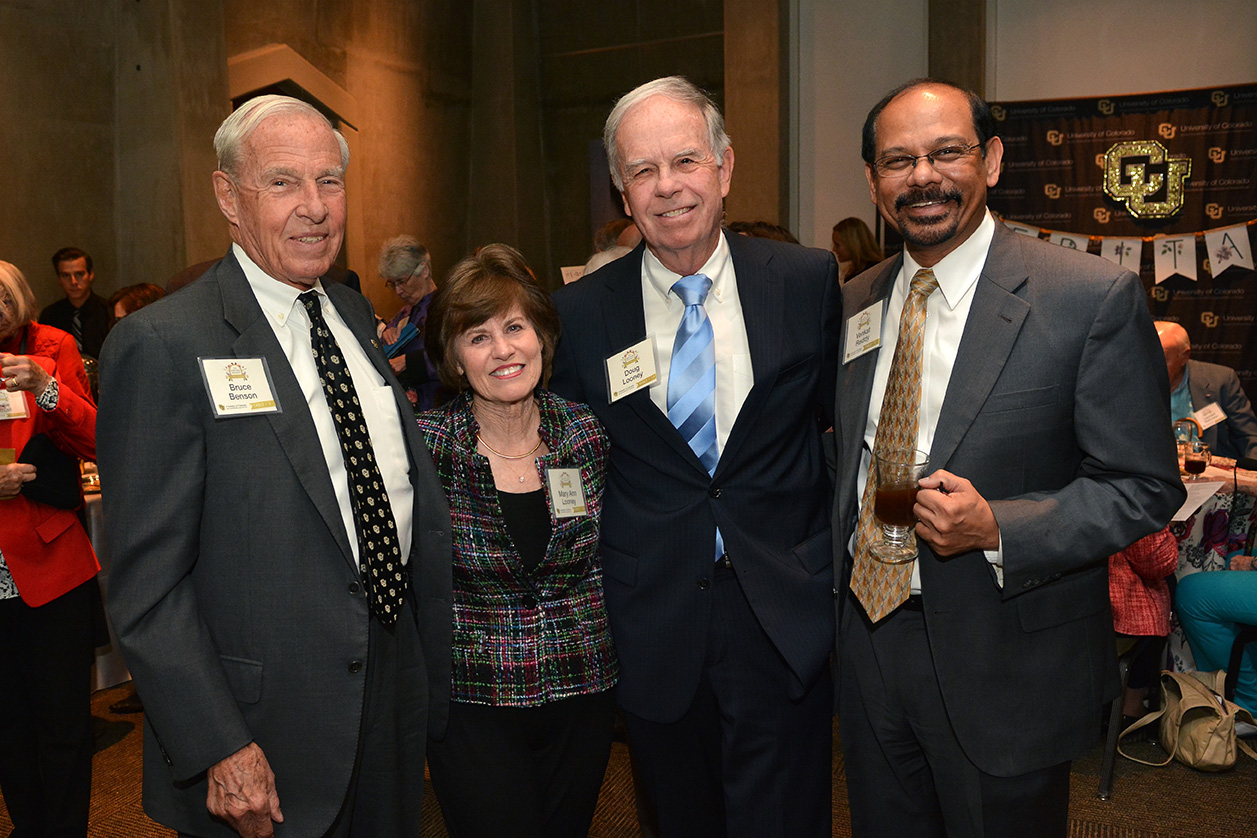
[
  {"x": 1174, "y": 255},
  {"x": 1228, "y": 247},
  {"x": 1125, "y": 252},
  {"x": 1069, "y": 240},
  {"x": 1032, "y": 232}
]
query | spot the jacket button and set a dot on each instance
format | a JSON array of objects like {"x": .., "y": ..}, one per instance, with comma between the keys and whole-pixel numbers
[
  {"x": 714, "y": 492},
  {"x": 354, "y": 588},
  {"x": 703, "y": 584},
  {"x": 355, "y": 666}
]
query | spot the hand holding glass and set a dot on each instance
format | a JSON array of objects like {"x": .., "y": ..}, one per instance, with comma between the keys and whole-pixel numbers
[{"x": 898, "y": 473}]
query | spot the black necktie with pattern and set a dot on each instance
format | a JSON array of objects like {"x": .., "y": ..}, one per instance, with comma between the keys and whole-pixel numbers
[{"x": 379, "y": 551}]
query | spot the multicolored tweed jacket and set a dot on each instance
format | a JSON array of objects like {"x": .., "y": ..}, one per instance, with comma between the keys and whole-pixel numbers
[{"x": 524, "y": 639}]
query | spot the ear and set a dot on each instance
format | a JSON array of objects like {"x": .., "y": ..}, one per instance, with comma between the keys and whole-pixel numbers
[
  {"x": 627, "y": 209},
  {"x": 871, "y": 178},
  {"x": 227, "y": 195},
  {"x": 994, "y": 160},
  {"x": 726, "y": 172}
]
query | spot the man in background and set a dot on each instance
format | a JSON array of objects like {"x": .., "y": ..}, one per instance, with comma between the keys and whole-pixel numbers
[
  {"x": 1209, "y": 393},
  {"x": 82, "y": 312}
]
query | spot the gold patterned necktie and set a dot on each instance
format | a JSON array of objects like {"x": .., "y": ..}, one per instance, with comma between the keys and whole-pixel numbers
[
  {"x": 882, "y": 587},
  {"x": 379, "y": 551}
]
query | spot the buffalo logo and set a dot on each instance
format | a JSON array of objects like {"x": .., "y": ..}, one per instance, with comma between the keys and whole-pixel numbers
[
  {"x": 1055, "y": 137},
  {"x": 1101, "y": 215},
  {"x": 998, "y": 113},
  {"x": 1052, "y": 190},
  {"x": 1217, "y": 155},
  {"x": 863, "y": 322},
  {"x": 235, "y": 371},
  {"x": 1105, "y": 106},
  {"x": 630, "y": 358},
  {"x": 1144, "y": 176},
  {"x": 1214, "y": 211},
  {"x": 1219, "y": 98},
  {"x": 1167, "y": 130},
  {"x": 1209, "y": 319},
  {"x": 1159, "y": 293}
]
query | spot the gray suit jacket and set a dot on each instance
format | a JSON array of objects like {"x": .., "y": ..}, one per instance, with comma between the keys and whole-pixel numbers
[
  {"x": 234, "y": 592},
  {"x": 1057, "y": 412},
  {"x": 1236, "y": 436}
]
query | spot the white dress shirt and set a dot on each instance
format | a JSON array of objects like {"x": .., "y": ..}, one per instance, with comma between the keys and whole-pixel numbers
[
  {"x": 947, "y": 311},
  {"x": 291, "y": 324},
  {"x": 663, "y": 309}
]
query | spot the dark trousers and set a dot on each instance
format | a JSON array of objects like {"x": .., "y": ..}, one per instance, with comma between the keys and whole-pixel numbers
[
  {"x": 745, "y": 759},
  {"x": 45, "y": 714},
  {"x": 527, "y": 772},
  {"x": 907, "y": 774}
]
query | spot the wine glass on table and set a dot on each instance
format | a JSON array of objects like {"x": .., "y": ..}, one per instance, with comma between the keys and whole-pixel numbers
[
  {"x": 1196, "y": 458},
  {"x": 898, "y": 472}
]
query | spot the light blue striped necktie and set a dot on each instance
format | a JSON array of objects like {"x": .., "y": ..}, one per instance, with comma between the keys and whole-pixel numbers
[{"x": 692, "y": 375}]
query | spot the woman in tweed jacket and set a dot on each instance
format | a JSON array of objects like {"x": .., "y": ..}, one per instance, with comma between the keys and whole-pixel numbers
[{"x": 533, "y": 662}]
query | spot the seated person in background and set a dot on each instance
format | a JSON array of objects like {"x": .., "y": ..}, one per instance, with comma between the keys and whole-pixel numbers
[
  {"x": 855, "y": 247},
  {"x": 1141, "y": 608},
  {"x": 1209, "y": 605},
  {"x": 1196, "y": 384},
  {"x": 406, "y": 267},
  {"x": 531, "y": 705},
  {"x": 614, "y": 239},
  {"x": 133, "y": 298}
]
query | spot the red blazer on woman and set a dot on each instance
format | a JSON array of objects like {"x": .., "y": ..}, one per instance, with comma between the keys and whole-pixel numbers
[
  {"x": 1137, "y": 586},
  {"x": 47, "y": 549}
]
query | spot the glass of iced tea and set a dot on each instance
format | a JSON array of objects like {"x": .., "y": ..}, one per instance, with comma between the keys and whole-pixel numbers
[
  {"x": 1196, "y": 457},
  {"x": 898, "y": 473}
]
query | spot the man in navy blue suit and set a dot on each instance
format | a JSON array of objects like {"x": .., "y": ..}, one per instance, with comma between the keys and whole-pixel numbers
[{"x": 715, "y": 529}]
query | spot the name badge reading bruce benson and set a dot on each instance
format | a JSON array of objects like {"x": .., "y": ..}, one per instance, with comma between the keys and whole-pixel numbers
[
  {"x": 567, "y": 495},
  {"x": 238, "y": 386},
  {"x": 864, "y": 332},
  {"x": 631, "y": 370}
]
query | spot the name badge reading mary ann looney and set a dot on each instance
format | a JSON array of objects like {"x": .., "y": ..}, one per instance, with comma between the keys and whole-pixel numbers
[
  {"x": 631, "y": 370},
  {"x": 238, "y": 386},
  {"x": 567, "y": 495}
]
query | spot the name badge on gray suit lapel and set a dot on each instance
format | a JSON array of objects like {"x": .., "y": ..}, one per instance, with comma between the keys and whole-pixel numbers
[
  {"x": 238, "y": 386},
  {"x": 863, "y": 332}
]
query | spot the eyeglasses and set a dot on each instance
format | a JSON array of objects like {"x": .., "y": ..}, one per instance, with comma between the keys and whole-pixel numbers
[
  {"x": 941, "y": 159},
  {"x": 419, "y": 270}
]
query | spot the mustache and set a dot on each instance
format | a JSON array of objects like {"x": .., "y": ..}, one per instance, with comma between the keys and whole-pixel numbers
[{"x": 932, "y": 193}]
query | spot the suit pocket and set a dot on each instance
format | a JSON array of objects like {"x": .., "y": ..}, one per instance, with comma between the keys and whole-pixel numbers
[
  {"x": 619, "y": 566},
  {"x": 800, "y": 369},
  {"x": 55, "y": 524},
  {"x": 245, "y": 678},
  {"x": 1020, "y": 399},
  {"x": 816, "y": 554},
  {"x": 1070, "y": 598}
]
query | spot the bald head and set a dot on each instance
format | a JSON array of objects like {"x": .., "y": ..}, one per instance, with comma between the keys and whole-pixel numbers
[{"x": 1177, "y": 348}]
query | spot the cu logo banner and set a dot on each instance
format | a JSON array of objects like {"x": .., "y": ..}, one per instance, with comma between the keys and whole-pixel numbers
[{"x": 1145, "y": 177}]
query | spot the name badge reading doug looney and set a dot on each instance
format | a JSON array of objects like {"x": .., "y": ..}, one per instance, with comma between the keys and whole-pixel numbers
[
  {"x": 631, "y": 370},
  {"x": 238, "y": 386},
  {"x": 567, "y": 496},
  {"x": 864, "y": 332}
]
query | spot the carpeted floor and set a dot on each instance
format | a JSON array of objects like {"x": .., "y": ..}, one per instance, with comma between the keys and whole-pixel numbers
[{"x": 1170, "y": 802}]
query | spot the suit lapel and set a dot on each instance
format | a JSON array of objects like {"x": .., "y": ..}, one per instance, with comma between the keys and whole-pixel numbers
[
  {"x": 995, "y": 320},
  {"x": 293, "y": 427}
]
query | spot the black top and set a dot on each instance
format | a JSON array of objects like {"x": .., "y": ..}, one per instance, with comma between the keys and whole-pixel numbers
[
  {"x": 527, "y": 519},
  {"x": 94, "y": 317}
]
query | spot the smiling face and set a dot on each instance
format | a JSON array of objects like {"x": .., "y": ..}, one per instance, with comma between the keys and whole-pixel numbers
[
  {"x": 76, "y": 280},
  {"x": 674, "y": 187},
  {"x": 501, "y": 358},
  {"x": 935, "y": 211},
  {"x": 287, "y": 204}
]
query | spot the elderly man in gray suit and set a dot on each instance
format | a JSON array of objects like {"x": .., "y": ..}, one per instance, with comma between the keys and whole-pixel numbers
[
  {"x": 280, "y": 541},
  {"x": 971, "y": 676}
]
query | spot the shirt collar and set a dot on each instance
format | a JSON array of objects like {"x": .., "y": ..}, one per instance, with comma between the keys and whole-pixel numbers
[
  {"x": 958, "y": 271},
  {"x": 275, "y": 298},
  {"x": 715, "y": 268}
]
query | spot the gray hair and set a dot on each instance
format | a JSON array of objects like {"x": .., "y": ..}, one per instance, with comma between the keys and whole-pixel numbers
[
  {"x": 679, "y": 89},
  {"x": 401, "y": 256},
  {"x": 236, "y": 129},
  {"x": 22, "y": 306}
]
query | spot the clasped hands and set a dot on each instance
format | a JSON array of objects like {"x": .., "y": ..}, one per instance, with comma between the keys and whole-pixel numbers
[
  {"x": 242, "y": 793},
  {"x": 954, "y": 519}
]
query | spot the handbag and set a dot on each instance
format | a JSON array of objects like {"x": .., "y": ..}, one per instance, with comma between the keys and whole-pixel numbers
[
  {"x": 1197, "y": 723},
  {"x": 58, "y": 481}
]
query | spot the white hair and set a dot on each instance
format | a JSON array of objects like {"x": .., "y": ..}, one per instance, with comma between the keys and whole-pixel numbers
[
  {"x": 236, "y": 129},
  {"x": 677, "y": 88}
]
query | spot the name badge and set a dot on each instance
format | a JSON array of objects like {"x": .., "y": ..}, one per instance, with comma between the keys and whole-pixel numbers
[
  {"x": 238, "y": 386},
  {"x": 1209, "y": 415},
  {"x": 631, "y": 370},
  {"x": 864, "y": 332},
  {"x": 567, "y": 495},
  {"x": 13, "y": 405}
]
